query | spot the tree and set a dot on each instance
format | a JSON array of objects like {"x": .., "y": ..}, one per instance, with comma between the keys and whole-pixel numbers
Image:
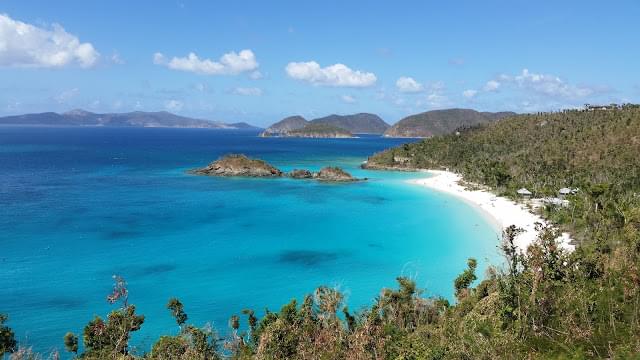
[
  {"x": 119, "y": 292},
  {"x": 177, "y": 311},
  {"x": 71, "y": 342},
  {"x": 8, "y": 342},
  {"x": 464, "y": 280}
]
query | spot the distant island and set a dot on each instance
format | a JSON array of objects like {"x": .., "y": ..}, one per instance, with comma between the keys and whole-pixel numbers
[
  {"x": 332, "y": 126},
  {"x": 314, "y": 130},
  {"x": 441, "y": 122},
  {"x": 238, "y": 165},
  {"x": 422, "y": 125},
  {"x": 130, "y": 119}
]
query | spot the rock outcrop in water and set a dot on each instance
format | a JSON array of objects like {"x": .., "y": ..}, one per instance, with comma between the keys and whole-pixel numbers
[
  {"x": 239, "y": 165},
  {"x": 242, "y": 166},
  {"x": 300, "y": 174},
  {"x": 334, "y": 174}
]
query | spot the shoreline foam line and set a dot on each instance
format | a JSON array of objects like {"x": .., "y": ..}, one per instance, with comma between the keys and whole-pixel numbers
[{"x": 503, "y": 211}]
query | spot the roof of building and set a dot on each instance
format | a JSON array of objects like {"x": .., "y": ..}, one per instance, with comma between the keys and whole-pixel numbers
[{"x": 524, "y": 191}]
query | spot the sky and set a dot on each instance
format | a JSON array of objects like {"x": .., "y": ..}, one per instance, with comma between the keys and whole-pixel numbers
[{"x": 259, "y": 61}]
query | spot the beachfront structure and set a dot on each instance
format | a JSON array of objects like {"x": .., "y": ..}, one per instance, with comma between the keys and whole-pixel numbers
[
  {"x": 567, "y": 191},
  {"x": 524, "y": 192},
  {"x": 555, "y": 202}
]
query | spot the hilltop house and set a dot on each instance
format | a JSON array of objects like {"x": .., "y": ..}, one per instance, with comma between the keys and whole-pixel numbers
[{"x": 590, "y": 107}]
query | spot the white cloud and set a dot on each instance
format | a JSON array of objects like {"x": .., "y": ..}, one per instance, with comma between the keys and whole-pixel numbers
[
  {"x": 338, "y": 75},
  {"x": 348, "y": 99},
  {"x": 247, "y": 91},
  {"x": 541, "y": 84},
  {"x": 229, "y": 64},
  {"x": 469, "y": 93},
  {"x": 550, "y": 85},
  {"x": 116, "y": 58},
  {"x": 173, "y": 105},
  {"x": 436, "y": 97},
  {"x": 26, "y": 45},
  {"x": 408, "y": 85},
  {"x": 491, "y": 86},
  {"x": 66, "y": 95},
  {"x": 256, "y": 75}
]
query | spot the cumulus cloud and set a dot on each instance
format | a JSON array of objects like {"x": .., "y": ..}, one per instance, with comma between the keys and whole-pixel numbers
[
  {"x": 229, "y": 64},
  {"x": 348, "y": 99},
  {"x": 247, "y": 91},
  {"x": 26, "y": 45},
  {"x": 491, "y": 86},
  {"x": 173, "y": 105},
  {"x": 408, "y": 85},
  {"x": 338, "y": 75},
  {"x": 469, "y": 93},
  {"x": 550, "y": 85},
  {"x": 436, "y": 97},
  {"x": 541, "y": 84}
]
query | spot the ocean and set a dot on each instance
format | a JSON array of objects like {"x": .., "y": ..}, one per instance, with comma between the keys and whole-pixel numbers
[{"x": 78, "y": 205}]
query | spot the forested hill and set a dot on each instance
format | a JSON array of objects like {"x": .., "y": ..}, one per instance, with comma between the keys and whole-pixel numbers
[
  {"x": 596, "y": 151},
  {"x": 441, "y": 122}
]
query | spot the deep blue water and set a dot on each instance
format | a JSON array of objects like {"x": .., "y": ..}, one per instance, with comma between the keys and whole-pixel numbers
[{"x": 78, "y": 205}]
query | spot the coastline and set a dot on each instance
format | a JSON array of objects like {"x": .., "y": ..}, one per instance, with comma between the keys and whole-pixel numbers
[{"x": 502, "y": 211}]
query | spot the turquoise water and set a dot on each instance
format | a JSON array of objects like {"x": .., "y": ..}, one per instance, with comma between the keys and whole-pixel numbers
[{"x": 79, "y": 205}]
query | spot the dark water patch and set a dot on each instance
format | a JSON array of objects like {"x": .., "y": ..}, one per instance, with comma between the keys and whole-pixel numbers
[
  {"x": 155, "y": 269},
  {"x": 374, "y": 246},
  {"x": 136, "y": 271},
  {"x": 307, "y": 257},
  {"x": 121, "y": 234},
  {"x": 45, "y": 301},
  {"x": 373, "y": 199}
]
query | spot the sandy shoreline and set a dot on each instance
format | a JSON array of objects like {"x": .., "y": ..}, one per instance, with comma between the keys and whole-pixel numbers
[{"x": 504, "y": 212}]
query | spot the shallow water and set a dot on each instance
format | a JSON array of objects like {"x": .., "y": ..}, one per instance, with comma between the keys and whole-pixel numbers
[{"x": 78, "y": 205}]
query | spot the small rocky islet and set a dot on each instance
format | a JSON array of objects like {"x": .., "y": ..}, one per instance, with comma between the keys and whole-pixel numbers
[{"x": 237, "y": 165}]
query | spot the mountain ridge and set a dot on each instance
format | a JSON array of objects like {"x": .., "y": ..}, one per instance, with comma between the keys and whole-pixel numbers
[
  {"x": 80, "y": 117},
  {"x": 359, "y": 123},
  {"x": 441, "y": 122}
]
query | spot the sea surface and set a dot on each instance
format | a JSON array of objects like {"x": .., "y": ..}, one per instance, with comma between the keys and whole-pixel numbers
[{"x": 78, "y": 205}]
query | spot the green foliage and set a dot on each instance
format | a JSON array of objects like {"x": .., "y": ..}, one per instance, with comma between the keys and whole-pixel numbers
[
  {"x": 109, "y": 338},
  {"x": 177, "y": 311},
  {"x": 462, "y": 282},
  {"x": 7, "y": 337},
  {"x": 169, "y": 347},
  {"x": 71, "y": 342}
]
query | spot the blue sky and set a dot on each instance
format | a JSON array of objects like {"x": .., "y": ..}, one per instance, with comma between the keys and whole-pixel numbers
[{"x": 260, "y": 61}]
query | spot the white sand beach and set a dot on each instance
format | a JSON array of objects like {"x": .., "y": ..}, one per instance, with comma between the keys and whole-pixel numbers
[{"x": 503, "y": 211}]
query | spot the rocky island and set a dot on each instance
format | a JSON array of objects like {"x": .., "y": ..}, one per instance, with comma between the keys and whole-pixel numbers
[{"x": 237, "y": 165}]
